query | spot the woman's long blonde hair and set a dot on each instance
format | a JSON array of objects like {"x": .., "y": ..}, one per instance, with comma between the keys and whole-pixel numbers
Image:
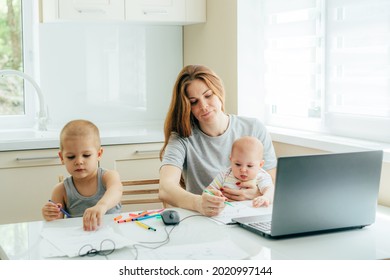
[{"x": 179, "y": 118}]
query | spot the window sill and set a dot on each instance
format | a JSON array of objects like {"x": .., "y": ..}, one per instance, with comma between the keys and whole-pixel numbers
[{"x": 326, "y": 142}]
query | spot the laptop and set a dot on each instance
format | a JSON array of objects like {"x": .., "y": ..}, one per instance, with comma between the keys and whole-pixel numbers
[{"x": 321, "y": 193}]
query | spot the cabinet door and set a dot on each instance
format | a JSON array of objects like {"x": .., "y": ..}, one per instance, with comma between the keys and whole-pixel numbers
[
  {"x": 27, "y": 180},
  {"x": 91, "y": 10},
  {"x": 133, "y": 162},
  {"x": 163, "y": 11}
]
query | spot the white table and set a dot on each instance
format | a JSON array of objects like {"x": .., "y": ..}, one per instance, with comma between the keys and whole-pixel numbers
[{"x": 199, "y": 237}]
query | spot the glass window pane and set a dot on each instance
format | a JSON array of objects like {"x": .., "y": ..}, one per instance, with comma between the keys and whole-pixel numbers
[
  {"x": 292, "y": 57},
  {"x": 11, "y": 87}
]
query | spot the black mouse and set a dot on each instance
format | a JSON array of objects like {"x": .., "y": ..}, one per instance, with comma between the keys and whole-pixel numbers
[{"x": 170, "y": 217}]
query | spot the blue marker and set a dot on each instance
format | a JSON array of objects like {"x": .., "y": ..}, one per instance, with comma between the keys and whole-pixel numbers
[
  {"x": 155, "y": 215},
  {"x": 61, "y": 209}
]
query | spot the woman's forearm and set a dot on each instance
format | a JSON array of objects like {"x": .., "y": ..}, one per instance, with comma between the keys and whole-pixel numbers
[{"x": 172, "y": 193}]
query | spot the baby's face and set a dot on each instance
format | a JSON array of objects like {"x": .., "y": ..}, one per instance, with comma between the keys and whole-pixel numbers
[{"x": 245, "y": 166}]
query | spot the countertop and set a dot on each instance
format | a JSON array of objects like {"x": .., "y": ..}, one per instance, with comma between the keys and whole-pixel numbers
[{"x": 29, "y": 139}]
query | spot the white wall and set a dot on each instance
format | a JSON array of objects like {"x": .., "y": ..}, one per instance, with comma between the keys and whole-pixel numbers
[
  {"x": 214, "y": 44},
  {"x": 109, "y": 73}
]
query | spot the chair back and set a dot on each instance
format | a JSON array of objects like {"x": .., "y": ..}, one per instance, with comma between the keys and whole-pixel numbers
[{"x": 141, "y": 194}]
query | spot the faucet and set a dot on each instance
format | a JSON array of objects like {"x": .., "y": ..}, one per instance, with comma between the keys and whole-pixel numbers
[{"x": 42, "y": 116}]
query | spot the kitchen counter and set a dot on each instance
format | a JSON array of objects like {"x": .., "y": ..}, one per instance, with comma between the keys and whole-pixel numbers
[{"x": 29, "y": 139}]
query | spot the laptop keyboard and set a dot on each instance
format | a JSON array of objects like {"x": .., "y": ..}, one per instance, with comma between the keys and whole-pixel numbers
[{"x": 263, "y": 226}]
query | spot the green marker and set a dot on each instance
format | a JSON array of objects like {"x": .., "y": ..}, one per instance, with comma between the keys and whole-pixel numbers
[{"x": 226, "y": 202}]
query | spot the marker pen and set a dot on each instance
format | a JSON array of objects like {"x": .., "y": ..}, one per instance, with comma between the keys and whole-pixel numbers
[{"x": 61, "y": 209}]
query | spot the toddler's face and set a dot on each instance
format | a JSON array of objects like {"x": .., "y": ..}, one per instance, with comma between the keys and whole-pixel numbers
[
  {"x": 245, "y": 166},
  {"x": 80, "y": 156}
]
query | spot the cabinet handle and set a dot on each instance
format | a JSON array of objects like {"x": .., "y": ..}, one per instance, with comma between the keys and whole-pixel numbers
[
  {"x": 90, "y": 11},
  {"x": 145, "y": 152},
  {"x": 155, "y": 12},
  {"x": 36, "y": 158}
]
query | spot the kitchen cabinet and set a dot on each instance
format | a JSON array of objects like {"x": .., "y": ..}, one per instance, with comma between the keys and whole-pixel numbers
[
  {"x": 81, "y": 10},
  {"x": 133, "y": 161},
  {"x": 90, "y": 10},
  {"x": 178, "y": 12},
  {"x": 166, "y": 11},
  {"x": 28, "y": 177}
]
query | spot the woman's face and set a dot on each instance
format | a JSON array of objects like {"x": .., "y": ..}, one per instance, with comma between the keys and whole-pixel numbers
[{"x": 205, "y": 105}]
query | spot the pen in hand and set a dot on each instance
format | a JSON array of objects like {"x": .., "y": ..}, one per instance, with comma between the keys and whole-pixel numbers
[
  {"x": 61, "y": 209},
  {"x": 209, "y": 192}
]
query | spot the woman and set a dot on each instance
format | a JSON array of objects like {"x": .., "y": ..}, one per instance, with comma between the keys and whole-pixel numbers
[{"x": 198, "y": 139}]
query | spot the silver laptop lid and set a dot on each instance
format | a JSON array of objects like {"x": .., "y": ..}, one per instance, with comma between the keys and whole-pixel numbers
[{"x": 323, "y": 192}]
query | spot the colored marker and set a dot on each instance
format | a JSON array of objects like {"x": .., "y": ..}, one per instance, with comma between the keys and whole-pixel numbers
[
  {"x": 124, "y": 220},
  {"x": 145, "y": 226},
  {"x": 147, "y": 217},
  {"x": 143, "y": 214},
  {"x": 140, "y": 215},
  {"x": 156, "y": 211},
  {"x": 226, "y": 202},
  {"x": 118, "y": 218},
  {"x": 61, "y": 209}
]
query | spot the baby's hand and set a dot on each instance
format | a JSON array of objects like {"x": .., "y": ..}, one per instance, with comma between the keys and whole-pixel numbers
[{"x": 261, "y": 201}]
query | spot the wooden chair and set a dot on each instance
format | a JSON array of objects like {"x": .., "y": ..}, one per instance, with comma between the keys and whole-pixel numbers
[{"x": 141, "y": 194}]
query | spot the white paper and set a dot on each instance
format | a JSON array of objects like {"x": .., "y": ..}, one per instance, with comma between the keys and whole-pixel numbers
[
  {"x": 240, "y": 209},
  {"x": 69, "y": 240}
]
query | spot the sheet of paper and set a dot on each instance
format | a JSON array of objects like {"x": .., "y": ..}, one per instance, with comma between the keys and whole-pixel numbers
[
  {"x": 223, "y": 249},
  {"x": 69, "y": 240},
  {"x": 240, "y": 209}
]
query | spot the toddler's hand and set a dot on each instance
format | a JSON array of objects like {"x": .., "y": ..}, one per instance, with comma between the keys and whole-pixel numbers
[
  {"x": 92, "y": 218},
  {"x": 261, "y": 201},
  {"x": 51, "y": 211}
]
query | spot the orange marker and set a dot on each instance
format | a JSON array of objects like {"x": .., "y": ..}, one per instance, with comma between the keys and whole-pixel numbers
[
  {"x": 124, "y": 221},
  {"x": 117, "y": 218},
  {"x": 140, "y": 215}
]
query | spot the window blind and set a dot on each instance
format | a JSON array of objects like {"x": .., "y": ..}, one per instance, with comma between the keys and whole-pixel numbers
[{"x": 327, "y": 66}]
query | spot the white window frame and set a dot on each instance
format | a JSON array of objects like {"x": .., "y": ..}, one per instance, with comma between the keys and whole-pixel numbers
[{"x": 30, "y": 57}]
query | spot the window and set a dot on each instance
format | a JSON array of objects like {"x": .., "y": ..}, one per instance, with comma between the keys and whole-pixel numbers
[
  {"x": 17, "y": 105},
  {"x": 324, "y": 65},
  {"x": 12, "y": 101}
]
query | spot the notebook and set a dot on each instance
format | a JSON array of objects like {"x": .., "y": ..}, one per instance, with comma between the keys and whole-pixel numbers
[{"x": 320, "y": 193}]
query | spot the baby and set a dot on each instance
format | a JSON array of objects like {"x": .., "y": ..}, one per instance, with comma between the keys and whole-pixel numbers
[{"x": 246, "y": 160}]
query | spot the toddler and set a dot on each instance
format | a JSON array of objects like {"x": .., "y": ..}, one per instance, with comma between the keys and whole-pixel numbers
[{"x": 90, "y": 191}]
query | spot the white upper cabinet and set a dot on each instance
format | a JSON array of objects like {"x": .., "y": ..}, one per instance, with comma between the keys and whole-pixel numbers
[
  {"x": 177, "y": 12},
  {"x": 166, "y": 11},
  {"x": 90, "y": 9}
]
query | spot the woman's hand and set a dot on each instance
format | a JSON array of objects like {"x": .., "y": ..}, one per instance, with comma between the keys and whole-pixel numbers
[
  {"x": 248, "y": 191},
  {"x": 212, "y": 203}
]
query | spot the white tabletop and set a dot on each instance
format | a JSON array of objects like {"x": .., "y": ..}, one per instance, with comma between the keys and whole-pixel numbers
[{"x": 198, "y": 237}]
